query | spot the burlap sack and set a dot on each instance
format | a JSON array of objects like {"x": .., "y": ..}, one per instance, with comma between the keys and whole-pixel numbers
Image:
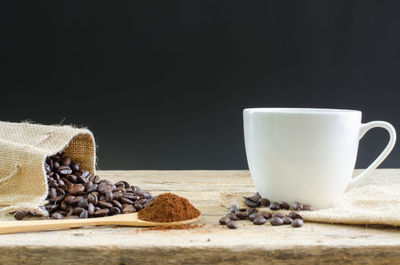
[
  {"x": 23, "y": 150},
  {"x": 375, "y": 201}
]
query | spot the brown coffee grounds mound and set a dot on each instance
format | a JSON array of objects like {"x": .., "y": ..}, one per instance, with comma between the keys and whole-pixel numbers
[{"x": 169, "y": 207}]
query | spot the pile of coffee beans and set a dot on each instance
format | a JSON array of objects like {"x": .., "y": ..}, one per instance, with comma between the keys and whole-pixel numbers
[
  {"x": 260, "y": 217},
  {"x": 74, "y": 193},
  {"x": 257, "y": 201}
]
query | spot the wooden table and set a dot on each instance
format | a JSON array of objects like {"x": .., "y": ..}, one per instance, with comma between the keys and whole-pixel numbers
[{"x": 312, "y": 244}]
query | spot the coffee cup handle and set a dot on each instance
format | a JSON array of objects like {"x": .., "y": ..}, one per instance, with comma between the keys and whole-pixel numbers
[{"x": 392, "y": 140}]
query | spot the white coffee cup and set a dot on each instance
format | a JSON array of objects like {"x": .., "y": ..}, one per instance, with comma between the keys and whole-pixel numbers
[{"x": 306, "y": 155}]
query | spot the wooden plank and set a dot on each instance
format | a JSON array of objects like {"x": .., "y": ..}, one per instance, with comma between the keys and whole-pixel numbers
[{"x": 212, "y": 243}]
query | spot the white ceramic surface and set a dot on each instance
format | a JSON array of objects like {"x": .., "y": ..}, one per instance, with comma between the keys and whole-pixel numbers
[{"x": 306, "y": 155}]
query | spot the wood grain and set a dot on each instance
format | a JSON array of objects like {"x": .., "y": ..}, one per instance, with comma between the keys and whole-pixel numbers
[{"x": 212, "y": 243}]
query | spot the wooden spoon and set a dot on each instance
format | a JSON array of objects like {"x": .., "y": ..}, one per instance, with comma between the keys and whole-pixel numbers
[{"x": 131, "y": 219}]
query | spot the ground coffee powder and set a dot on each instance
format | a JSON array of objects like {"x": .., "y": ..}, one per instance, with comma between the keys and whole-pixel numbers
[{"x": 169, "y": 207}]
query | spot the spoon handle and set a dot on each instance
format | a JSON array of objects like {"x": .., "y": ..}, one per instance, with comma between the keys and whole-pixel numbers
[{"x": 8, "y": 227}]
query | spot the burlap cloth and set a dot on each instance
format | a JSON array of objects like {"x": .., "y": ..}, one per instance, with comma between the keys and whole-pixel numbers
[
  {"x": 375, "y": 201},
  {"x": 23, "y": 150}
]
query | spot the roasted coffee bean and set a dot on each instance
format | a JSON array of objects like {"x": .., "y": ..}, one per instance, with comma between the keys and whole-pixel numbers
[
  {"x": 70, "y": 211},
  {"x": 274, "y": 206},
  {"x": 75, "y": 200},
  {"x": 77, "y": 189},
  {"x": 64, "y": 205},
  {"x": 92, "y": 188},
  {"x": 19, "y": 215},
  {"x": 295, "y": 215},
  {"x": 130, "y": 196},
  {"x": 253, "y": 216},
  {"x": 297, "y": 206},
  {"x": 66, "y": 161},
  {"x": 117, "y": 204},
  {"x": 129, "y": 209},
  {"x": 88, "y": 185},
  {"x": 116, "y": 210},
  {"x": 138, "y": 206},
  {"x": 224, "y": 220},
  {"x": 141, "y": 201},
  {"x": 297, "y": 223},
  {"x": 68, "y": 198},
  {"x": 120, "y": 184},
  {"x": 84, "y": 214},
  {"x": 102, "y": 197},
  {"x": 284, "y": 205},
  {"x": 72, "y": 178},
  {"x": 250, "y": 211},
  {"x": 264, "y": 202},
  {"x": 307, "y": 207},
  {"x": 56, "y": 165},
  {"x": 232, "y": 216},
  {"x": 81, "y": 179},
  {"x": 117, "y": 195},
  {"x": 47, "y": 168},
  {"x": 52, "y": 183},
  {"x": 126, "y": 200},
  {"x": 92, "y": 198},
  {"x": 83, "y": 204},
  {"x": 85, "y": 174},
  {"x": 101, "y": 213},
  {"x": 96, "y": 179},
  {"x": 60, "y": 191},
  {"x": 287, "y": 220},
  {"x": 241, "y": 215},
  {"x": 259, "y": 220},
  {"x": 56, "y": 177},
  {"x": 280, "y": 215},
  {"x": 57, "y": 215},
  {"x": 57, "y": 199},
  {"x": 90, "y": 209},
  {"x": 109, "y": 196},
  {"x": 104, "y": 204},
  {"x": 232, "y": 224},
  {"x": 253, "y": 198},
  {"x": 78, "y": 210},
  {"x": 102, "y": 187},
  {"x": 74, "y": 166},
  {"x": 51, "y": 207},
  {"x": 250, "y": 203},
  {"x": 64, "y": 170},
  {"x": 276, "y": 221},
  {"x": 265, "y": 214},
  {"x": 52, "y": 192}
]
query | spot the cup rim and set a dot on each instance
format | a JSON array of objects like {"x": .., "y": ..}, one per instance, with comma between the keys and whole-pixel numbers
[{"x": 300, "y": 110}]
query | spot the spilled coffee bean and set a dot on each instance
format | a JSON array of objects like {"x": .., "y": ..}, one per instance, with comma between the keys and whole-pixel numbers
[
  {"x": 232, "y": 225},
  {"x": 259, "y": 220},
  {"x": 261, "y": 217},
  {"x": 297, "y": 206},
  {"x": 276, "y": 221},
  {"x": 274, "y": 206},
  {"x": 298, "y": 223}
]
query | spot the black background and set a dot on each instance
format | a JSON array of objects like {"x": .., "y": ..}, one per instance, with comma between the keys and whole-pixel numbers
[{"x": 162, "y": 84}]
